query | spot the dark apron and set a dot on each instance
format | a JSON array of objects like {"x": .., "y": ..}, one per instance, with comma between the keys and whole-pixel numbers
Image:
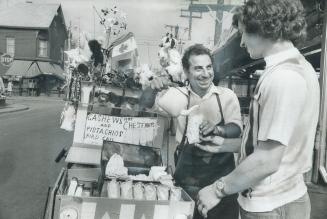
[{"x": 196, "y": 168}]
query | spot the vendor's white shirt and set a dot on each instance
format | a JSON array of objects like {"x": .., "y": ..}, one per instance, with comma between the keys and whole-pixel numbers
[
  {"x": 174, "y": 100},
  {"x": 288, "y": 113}
]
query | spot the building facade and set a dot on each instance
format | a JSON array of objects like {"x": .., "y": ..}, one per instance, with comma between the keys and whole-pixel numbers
[{"x": 32, "y": 43}]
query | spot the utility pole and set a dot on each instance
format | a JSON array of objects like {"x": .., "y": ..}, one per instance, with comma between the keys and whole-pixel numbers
[
  {"x": 190, "y": 14},
  {"x": 79, "y": 35},
  {"x": 219, "y": 7},
  {"x": 180, "y": 46},
  {"x": 69, "y": 36},
  {"x": 93, "y": 22},
  {"x": 219, "y": 17},
  {"x": 190, "y": 24},
  {"x": 149, "y": 57}
]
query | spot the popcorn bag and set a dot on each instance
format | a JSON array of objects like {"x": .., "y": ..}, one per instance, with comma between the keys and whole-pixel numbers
[
  {"x": 163, "y": 192},
  {"x": 113, "y": 189},
  {"x": 126, "y": 190},
  {"x": 176, "y": 193},
  {"x": 193, "y": 128},
  {"x": 150, "y": 192},
  {"x": 138, "y": 191}
]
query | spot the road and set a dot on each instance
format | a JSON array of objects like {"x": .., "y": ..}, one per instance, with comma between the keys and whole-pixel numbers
[{"x": 29, "y": 143}]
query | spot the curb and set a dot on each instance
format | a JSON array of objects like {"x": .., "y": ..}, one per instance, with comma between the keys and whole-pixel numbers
[
  {"x": 18, "y": 108},
  {"x": 36, "y": 99}
]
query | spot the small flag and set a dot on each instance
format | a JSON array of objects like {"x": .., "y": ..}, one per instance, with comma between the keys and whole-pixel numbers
[{"x": 124, "y": 47}]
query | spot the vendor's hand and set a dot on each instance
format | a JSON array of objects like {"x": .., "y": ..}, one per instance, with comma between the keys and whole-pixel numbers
[
  {"x": 212, "y": 140},
  {"x": 210, "y": 149},
  {"x": 212, "y": 144},
  {"x": 160, "y": 83},
  {"x": 206, "y": 127},
  {"x": 207, "y": 199}
]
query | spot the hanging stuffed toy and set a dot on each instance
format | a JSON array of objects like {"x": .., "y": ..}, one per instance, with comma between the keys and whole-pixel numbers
[
  {"x": 170, "y": 59},
  {"x": 174, "y": 68},
  {"x": 97, "y": 55},
  {"x": 75, "y": 87},
  {"x": 143, "y": 75}
]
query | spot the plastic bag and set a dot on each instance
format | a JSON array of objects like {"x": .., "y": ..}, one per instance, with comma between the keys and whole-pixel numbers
[{"x": 68, "y": 118}]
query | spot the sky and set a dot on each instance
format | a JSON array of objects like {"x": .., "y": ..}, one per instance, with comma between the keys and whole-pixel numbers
[{"x": 145, "y": 18}]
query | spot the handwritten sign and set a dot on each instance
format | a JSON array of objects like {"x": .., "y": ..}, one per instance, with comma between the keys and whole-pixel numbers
[{"x": 131, "y": 130}]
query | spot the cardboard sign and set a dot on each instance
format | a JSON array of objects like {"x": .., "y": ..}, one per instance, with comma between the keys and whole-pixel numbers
[{"x": 132, "y": 130}]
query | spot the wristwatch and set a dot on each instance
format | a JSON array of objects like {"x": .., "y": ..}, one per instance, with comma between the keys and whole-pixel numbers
[
  {"x": 219, "y": 131},
  {"x": 219, "y": 188}
]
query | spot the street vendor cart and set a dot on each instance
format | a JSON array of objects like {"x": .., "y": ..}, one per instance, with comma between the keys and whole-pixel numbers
[
  {"x": 118, "y": 166},
  {"x": 84, "y": 190}
]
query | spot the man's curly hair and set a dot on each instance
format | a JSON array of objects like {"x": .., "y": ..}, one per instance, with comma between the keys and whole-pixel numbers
[{"x": 273, "y": 19}]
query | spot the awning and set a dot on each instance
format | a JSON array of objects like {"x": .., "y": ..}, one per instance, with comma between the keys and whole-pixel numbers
[
  {"x": 31, "y": 69},
  {"x": 18, "y": 67},
  {"x": 51, "y": 69}
]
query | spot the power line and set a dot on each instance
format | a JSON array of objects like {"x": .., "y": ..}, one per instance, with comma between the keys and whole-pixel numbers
[{"x": 190, "y": 15}]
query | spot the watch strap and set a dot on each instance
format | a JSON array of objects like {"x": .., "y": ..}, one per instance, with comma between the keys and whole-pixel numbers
[{"x": 219, "y": 188}]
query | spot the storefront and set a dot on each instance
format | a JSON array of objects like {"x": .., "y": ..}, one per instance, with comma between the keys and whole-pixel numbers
[{"x": 32, "y": 78}]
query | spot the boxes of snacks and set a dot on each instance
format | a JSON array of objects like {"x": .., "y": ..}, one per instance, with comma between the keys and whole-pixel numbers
[
  {"x": 120, "y": 200},
  {"x": 135, "y": 173},
  {"x": 146, "y": 193}
]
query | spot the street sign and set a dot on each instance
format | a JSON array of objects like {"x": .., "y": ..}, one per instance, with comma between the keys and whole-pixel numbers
[{"x": 6, "y": 59}]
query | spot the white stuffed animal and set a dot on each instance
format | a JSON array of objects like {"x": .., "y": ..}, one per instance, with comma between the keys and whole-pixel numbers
[{"x": 170, "y": 59}]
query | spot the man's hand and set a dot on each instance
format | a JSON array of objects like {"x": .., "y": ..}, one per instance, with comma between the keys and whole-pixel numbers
[
  {"x": 207, "y": 127},
  {"x": 213, "y": 140},
  {"x": 212, "y": 144},
  {"x": 207, "y": 199},
  {"x": 210, "y": 149}
]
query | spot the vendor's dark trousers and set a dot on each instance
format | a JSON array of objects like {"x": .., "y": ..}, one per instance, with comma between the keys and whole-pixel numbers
[
  {"x": 228, "y": 208},
  {"x": 298, "y": 209}
]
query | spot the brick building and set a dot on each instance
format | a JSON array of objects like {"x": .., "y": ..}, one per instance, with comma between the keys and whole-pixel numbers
[{"x": 32, "y": 43}]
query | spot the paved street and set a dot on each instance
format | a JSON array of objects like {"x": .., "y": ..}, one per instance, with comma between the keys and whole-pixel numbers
[{"x": 29, "y": 143}]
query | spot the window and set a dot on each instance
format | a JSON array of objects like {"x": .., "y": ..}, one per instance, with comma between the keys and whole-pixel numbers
[
  {"x": 43, "y": 48},
  {"x": 11, "y": 46}
]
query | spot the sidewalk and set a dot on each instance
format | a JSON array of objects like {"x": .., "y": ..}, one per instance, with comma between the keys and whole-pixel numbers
[
  {"x": 16, "y": 103},
  {"x": 9, "y": 108}
]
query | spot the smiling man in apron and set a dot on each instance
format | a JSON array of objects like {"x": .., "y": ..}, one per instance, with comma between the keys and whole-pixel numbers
[{"x": 220, "y": 112}]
